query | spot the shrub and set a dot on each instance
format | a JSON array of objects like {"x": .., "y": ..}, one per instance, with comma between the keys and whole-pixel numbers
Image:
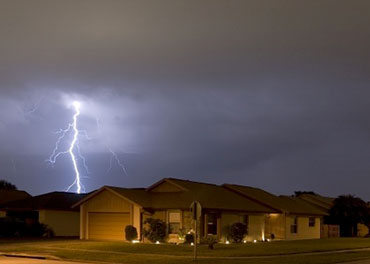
[
  {"x": 237, "y": 232},
  {"x": 130, "y": 232},
  {"x": 49, "y": 232},
  {"x": 156, "y": 229},
  {"x": 189, "y": 238},
  {"x": 13, "y": 228},
  {"x": 36, "y": 230},
  {"x": 210, "y": 240}
]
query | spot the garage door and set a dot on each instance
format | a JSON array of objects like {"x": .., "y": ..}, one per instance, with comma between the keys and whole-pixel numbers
[{"x": 108, "y": 225}]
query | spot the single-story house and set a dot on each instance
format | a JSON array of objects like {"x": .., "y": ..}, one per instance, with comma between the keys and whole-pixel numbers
[
  {"x": 53, "y": 209},
  {"x": 105, "y": 212},
  {"x": 296, "y": 219},
  {"x": 11, "y": 195}
]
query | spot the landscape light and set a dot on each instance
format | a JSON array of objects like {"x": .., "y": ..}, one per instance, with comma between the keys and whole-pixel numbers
[
  {"x": 157, "y": 242},
  {"x": 135, "y": 241},
  {"x": 254, "y": 241},
  {"x": 227, "y": 242}
]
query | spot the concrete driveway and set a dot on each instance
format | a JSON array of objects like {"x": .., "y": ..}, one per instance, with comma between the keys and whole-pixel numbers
[{"x": 13, "y": 260}]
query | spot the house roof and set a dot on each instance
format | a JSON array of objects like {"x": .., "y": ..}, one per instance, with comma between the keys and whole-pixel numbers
[
  {"x": 12, "y": 195},
  {"x": 52, "y": 201},
  {"x": 295, "y": 205},
  {"x": 214, "y": 197},
  {"x": 286, "y": 204},
  {"x": 210, "y": 196},
  {"x": 322, "y": 202}
]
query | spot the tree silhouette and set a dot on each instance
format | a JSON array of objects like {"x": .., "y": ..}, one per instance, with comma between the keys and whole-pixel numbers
[
  {"x": 5, "y": 185},
  {"x": 348, "y": 211}
]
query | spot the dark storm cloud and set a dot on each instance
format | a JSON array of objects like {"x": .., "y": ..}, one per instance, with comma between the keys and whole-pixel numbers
[{"x": 265, "y": 93}]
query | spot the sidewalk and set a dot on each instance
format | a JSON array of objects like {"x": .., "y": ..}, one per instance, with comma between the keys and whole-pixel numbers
[{"x": 14, "y": 260}]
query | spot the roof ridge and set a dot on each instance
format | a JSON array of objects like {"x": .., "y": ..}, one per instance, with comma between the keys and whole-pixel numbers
[
  {"x": 255, "y": 188},
  {"x": 191, "y": 181},
  {"x": 125, "y": 188}
]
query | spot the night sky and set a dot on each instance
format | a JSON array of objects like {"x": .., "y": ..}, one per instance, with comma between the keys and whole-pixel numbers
[{"x": 272, "y": 94}]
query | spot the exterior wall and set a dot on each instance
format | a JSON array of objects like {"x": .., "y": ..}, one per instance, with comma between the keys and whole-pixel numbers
[
  {"x": 256, "y": 225},
  {"x": 63, "y": 223},
  {"x": 304, "y": 231},
  {"x": 2, "y": 214},
  {"x": 227, "y": 219},
  {"x": 107, "y": 202},
  {"x": 275, "y": 225},
  {"x": 256, "y": 228},
  {"x": 362, "y": 230},
  {"x": 187, "y": 220},
  {"x": 136, "y": 220}
]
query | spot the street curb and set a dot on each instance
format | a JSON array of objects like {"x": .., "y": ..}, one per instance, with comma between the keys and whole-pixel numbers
[{"x": 21, "y": 256}]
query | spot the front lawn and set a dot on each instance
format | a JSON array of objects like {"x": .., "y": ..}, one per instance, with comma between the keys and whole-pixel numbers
[{"x": 268, "y": 252}]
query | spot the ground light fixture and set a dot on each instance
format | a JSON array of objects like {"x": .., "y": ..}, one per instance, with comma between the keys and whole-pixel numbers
[
  {"x": 157, "y": 242},
  {"x": 227, "y": 242},
  {"x": 135, "y": 241},
  {"x": 254, "y": 241}
]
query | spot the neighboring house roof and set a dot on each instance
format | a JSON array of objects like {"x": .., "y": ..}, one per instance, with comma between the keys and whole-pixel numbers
[
  {"x": 286, "y": 204},
  {"x": 12, "y": 195},
  {"x": 322, "y": 202},
  {"x": 295, "y": 205},
  {"x": 210, "y": 196},
  {"x": 52, "y": 201}
]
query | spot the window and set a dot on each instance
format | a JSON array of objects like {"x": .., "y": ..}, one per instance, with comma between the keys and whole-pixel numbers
[
  {"x": 311, "y": 221},
  {"x": 211, "y": 224},
  {"x": 174, "y": 222},
  {"x": 294, "y": 225}
]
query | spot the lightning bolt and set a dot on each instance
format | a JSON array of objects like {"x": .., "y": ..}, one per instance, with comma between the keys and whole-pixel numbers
[
  {"x": 114, "y": 156},
  {"x": 28, "y": 111},
  {"x": 72, "y": 128}
]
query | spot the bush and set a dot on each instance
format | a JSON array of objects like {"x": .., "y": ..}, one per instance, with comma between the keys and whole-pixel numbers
[
  {"x": 237, "y": 232},
  {"x": 130, "y": 232},
  {"x": 156, "y": 230},
  {"x": 189, "y": 238},
  {"x": 13, "y": 228},
  {"x": 210, "y": 240}
]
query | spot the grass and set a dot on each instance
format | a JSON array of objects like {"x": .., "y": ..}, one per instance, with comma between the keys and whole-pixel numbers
[{"x": 120, "y": 252}]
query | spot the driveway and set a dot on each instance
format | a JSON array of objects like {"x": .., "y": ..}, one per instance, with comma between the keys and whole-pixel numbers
[{"x": 13, "y": 260}]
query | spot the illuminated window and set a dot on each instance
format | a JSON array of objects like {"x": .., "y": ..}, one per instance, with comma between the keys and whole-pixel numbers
[
  {"x": 311, "y": 221},
  {"x": 294, "y": 225},
  {"x": 174, "y": 220}
]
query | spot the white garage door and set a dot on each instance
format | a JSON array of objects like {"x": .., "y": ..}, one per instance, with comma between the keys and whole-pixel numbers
[{"x": 108, "y": 225}]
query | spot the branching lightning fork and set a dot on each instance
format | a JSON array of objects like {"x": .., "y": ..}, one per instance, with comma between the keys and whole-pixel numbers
[{"x": 72, "y": 128}]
